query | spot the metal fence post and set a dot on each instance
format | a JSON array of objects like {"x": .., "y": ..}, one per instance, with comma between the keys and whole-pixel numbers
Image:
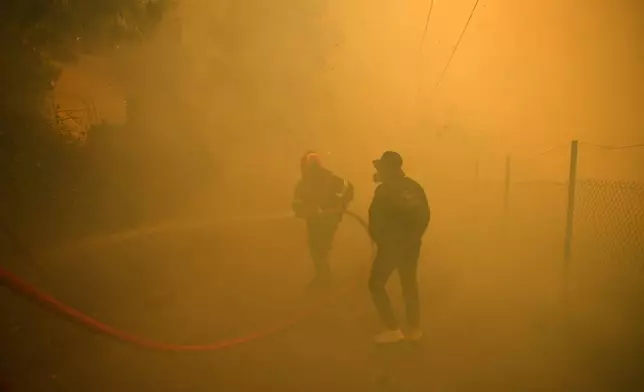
[
  {"x": 570, "y": 213},
  {"x": 506, "y": 193}
]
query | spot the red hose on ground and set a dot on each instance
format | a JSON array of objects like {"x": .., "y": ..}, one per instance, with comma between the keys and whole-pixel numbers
[{"x": 17, "y": 284}]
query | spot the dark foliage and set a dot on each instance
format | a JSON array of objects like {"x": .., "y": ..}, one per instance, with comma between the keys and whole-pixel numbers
[{"x": 41, "y": 172}]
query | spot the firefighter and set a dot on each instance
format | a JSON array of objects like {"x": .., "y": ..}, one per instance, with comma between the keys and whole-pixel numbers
[
  {"x": 398, "y": 217},
  {"x": 320, "y": 199}
]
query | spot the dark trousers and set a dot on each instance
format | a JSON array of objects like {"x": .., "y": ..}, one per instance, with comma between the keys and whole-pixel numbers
[
  {"x": 320, "y": 233},
  {"x": 401, "y": 257}
]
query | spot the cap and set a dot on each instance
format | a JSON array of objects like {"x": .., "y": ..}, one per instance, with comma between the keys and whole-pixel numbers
[{"x": 389, "y": 159}]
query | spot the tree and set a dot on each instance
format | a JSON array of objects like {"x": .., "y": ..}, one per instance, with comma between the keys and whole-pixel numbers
[{"x": 37, "y": 37}]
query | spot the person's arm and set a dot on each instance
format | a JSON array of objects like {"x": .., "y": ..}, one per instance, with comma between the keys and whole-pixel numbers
[
  {"x": 419, "y": 213},
  {"x": 347, "y": 196},
  {"x": 376, "y": 216},
  {"x": 424, "y": 212},
  {"x": 344, "y": 190}
]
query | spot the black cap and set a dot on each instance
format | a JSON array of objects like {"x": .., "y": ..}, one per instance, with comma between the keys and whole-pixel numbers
[{"x": 389, "y": 159}]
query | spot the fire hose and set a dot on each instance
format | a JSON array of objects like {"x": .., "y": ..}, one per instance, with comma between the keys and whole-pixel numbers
[{"x": 20, "y": 286}]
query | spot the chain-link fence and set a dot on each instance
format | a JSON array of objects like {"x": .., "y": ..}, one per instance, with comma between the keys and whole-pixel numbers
[
  {"x": 607, "y": 262},
  {"x": 609, "y": 206},
  {"x": 599, "y": 219},
  {"x": 609, "y": 223},
  {"x": 607, "y": 209},
  {"x": 535, "y": 205}
]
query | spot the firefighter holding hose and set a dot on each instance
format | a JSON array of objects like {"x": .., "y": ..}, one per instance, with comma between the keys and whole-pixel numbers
[{"x": 320, "y": 199}]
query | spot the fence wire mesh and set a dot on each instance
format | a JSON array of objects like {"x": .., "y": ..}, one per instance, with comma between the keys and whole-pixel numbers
[
  {"x": 537, "y": 213},
  {"x": 608, "y": 239},
  {"x": 607, "y": 265},
  {"x": 609, "y": 224},
  {"x": 536, "y": 207},
  {"x": 608, "y": 218}
]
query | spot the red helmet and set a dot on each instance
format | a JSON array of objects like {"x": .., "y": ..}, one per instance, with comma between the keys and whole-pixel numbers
[{"x": 310, "y": 160}]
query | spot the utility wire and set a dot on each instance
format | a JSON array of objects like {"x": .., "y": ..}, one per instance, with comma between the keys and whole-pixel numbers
[
  {"x": 460, "y": 38},
  {"x": 553, "y": 148},
  {"x": 607, "y": 147},
  {"x": 422, "y": 48},
  {"x": 429, "y": 15},
  {"x": 560, "y": 146},
  {"x": 537, "y": 154}
]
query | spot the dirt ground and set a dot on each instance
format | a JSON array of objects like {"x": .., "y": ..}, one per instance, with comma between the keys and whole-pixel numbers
[{"x": 487, "y": 329}]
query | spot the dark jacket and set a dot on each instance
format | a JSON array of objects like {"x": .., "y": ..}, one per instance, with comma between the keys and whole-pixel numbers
[
  {"x": 399, "y": 211},
  {"x": 319, "y": 191}
]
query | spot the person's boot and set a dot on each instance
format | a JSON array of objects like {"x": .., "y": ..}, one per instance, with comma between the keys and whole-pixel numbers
[{"x": 389, "y": 336}]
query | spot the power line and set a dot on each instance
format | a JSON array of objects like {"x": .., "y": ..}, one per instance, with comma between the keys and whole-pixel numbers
[
  {"x": 429, "y": 15},
  {"x": 565, "y": 145},
  {"x": 537, "y": 154},
  {"x": 460, "y": 38},
  {"x": 553, "y": 149},
  {"x": 422, "y": 47},
  {"x": 607, "y": 147}
]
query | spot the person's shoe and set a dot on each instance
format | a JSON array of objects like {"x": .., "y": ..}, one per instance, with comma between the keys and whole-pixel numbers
[
  {"x": 414, "y": 334},
  {"x": 389, "y": 336}
]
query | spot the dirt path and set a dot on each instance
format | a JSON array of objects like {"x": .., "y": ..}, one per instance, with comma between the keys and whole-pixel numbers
[{"x": 484, "y": 332}]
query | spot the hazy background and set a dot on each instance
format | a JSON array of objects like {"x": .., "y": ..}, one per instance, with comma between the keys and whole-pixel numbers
[
  {"x": 206, "y": 118},
  {"x": 271, "y": 80}
]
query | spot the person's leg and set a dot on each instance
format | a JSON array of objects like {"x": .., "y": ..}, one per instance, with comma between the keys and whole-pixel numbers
[
  {"x": 328, "y": 226},
  {"x": 382, "y": 268},
  {"x": 408, "y": 272},
  {"x": 319, "y": 246}
]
